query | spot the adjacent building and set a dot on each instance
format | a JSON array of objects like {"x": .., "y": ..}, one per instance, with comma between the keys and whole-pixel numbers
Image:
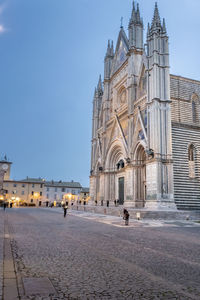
[
  {"x": 59, "y": 192},
  {"x": 38, "y": 191},
  {"x": 27, "y": 191},
  {"x": 145, "y": 149}
]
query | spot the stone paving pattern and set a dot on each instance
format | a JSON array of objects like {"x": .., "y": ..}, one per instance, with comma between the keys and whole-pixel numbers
[
  {"x": 85, "y": 259},
  {"x": 1, "y": 250}
]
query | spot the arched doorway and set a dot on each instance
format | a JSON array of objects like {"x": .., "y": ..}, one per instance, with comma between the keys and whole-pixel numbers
[
  {"x": 115, "y": 171},
  {"x": 140, "y": 178}
]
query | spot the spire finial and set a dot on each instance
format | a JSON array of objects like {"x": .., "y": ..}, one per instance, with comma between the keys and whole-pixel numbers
[{"x": 121, "y": 22}]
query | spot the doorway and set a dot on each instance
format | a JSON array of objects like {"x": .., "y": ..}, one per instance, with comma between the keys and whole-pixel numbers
[{"x": 121, "y": 190}]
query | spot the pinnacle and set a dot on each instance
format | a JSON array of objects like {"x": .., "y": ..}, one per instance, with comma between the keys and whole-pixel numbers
[
  {"x": 135, "y": 16},
  {"x": 156, "y": 18},
  {"x": 110, "y": 51},
  {"x": 99, "y": 86},
  {"x": 164, "y": 26}
]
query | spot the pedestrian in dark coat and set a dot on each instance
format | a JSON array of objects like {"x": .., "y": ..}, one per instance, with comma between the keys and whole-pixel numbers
[
  {"x": 4, "y": 206},
  {"x": 65, "y": 210},
  {"x": 126, "y": 216}
]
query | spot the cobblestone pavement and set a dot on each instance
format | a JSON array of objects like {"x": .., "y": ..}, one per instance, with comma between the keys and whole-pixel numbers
[
  {"x": 89, "y": 259},
  {"x": 1, "y": 250}
]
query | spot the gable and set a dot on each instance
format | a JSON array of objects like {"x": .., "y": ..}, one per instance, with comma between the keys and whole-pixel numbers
[{"x": 121, "y": 51}]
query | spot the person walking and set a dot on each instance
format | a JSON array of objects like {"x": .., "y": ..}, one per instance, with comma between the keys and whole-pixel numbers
[
  {"x": 65, "y": 210},
  {"x": 4, "y": 206}
]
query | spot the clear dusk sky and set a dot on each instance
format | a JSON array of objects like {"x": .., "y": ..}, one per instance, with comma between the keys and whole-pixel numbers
[{"x": 51, "y": 55}]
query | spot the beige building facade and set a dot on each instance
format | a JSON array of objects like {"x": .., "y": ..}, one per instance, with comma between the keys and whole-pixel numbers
[
  {"x": 146, "y": 125},
  {"x": 27, "y": 192}
]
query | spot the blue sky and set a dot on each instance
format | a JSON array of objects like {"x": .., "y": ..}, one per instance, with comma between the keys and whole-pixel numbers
[{"x": 51, "y": 55}]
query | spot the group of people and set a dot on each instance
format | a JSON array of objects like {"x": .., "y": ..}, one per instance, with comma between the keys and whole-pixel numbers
[{"x": 125, "y": 214}]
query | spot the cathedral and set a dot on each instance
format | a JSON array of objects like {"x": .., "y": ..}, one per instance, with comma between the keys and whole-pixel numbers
[{"x": 145, "y": 150}]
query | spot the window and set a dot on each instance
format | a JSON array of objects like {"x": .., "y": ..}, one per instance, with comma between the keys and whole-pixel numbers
[
  {"x": 191, "y": 153},
  {"x": 47, "y": 196},
  {"x": 63, "y": 190},
  {"x": 40, "y": 193},
  {"x": 55, "y": 189},
  {"x": 47, "y": 189},
  {"x": 31, "y": 200},
  {"x": 23, "y": 185},
  {"x": 33, "y": 185},
  {"x": 22, "y": 192},
  {"x": 32, "y": 193},
  {"x": 191, "y": 160},
  {"x": 14, "y": 185},
  {"x": 41, "y": 185},
  {"x": 55, "y": 196}
]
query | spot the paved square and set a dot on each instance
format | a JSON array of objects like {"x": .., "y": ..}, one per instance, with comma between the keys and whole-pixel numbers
[
  {"x": 40, "y": 286},
  {"x": 85, "y": 256}
]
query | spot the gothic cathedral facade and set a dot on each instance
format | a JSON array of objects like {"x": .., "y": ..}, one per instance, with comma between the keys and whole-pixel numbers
[{"x": 146, "y": 125}]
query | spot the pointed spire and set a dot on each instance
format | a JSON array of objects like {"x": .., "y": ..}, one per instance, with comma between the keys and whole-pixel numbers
[
  {"x": 108, "y": 49},
  {"x": 156, "y": 18},
  {"x": 112, "y": 49},
  {"x": 164, "y": 26},
  {"x": 133, "y": 15},
  {"x": 99, "y": 86},
  {"x": 133, "y": 12},
  {"x": 138, "y": 13}
]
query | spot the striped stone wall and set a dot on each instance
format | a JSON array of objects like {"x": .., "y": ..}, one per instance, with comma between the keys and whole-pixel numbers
[
  {"x": 181, "y": 92},
  {"x": 185, "y": 131},
  {"x": 186, "y": 189}
]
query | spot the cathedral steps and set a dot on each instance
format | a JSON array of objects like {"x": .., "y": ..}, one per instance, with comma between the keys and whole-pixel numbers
[{"x": 144, "y": 213}]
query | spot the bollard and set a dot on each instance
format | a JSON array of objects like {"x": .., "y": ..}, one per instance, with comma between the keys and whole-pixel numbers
[{"x": 138, "y": 216}]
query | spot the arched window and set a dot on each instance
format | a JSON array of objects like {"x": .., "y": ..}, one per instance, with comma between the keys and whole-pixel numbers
[
  {"x": 191, "y": 152},
  {"x": 191, "y": 161},
  {"x": 122, "y": 96}
]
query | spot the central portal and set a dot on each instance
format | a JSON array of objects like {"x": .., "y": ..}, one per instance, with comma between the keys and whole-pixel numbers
[{"x": 121, "y": 190}]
